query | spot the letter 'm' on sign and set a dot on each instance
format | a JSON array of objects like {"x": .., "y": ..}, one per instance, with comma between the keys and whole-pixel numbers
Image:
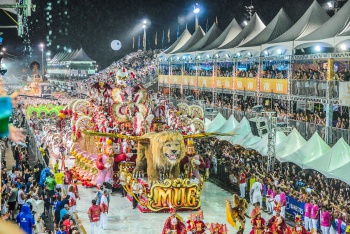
[
  {"x": 279, "y": 87},
  {"x": 164, "y": 197},
  {"x": 266, "y": 86},
  {"x": 250, "y": 85}
]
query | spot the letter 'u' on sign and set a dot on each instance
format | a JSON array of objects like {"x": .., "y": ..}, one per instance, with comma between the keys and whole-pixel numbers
[
  {"x": 239, "y": 84},
  {"x": 266, "y": 86},
  {"x": 279, "y": 87}
]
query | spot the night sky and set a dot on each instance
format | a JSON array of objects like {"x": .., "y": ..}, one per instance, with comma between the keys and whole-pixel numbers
[{"x": 93, "y": 24}]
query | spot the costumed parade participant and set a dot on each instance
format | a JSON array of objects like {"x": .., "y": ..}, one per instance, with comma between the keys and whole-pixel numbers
[
  {"x": 196, "y": 224},
  {"x": 236, "y": 214},
  {"x": 299, "y": 228},
  {"x": 216, "y": 228},
  {"x": 173, "y": 224},
  {"x": 258, "y": 224},
  {"x": 192, "y": 162},
  {"x": 277, "y": 224}
]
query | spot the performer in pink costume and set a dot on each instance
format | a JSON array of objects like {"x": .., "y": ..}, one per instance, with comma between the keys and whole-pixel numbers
[{"x": 104, "y": 164}]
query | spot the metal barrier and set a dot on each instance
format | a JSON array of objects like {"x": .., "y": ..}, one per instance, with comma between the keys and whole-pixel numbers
[{"x": 315, "y": 88}]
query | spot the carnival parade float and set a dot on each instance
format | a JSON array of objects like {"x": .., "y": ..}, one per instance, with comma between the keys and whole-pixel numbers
[{"x": 123, "y": 136}]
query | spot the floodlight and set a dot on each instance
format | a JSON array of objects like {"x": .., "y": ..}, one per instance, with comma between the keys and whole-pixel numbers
[{"x": 343, "y": 47}]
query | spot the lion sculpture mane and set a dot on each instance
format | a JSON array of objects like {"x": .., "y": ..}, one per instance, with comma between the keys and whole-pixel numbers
[{"x": 162, "y": 153}]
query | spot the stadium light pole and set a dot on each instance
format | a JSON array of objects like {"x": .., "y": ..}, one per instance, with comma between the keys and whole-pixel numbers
[
  {"x": 144, "y": 26},
  {"x": 42, "y": 56},
  {"x": 196, "y": 11}
]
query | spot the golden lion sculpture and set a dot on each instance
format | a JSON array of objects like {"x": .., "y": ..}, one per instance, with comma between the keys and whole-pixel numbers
[{"x": 160, "y": 153}]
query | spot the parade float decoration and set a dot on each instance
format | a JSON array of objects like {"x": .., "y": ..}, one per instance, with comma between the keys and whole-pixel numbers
[{"x": 119, "y": 120}]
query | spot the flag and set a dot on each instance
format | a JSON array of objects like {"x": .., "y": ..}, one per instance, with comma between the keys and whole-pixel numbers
[
  {"x": 169, "y": 35},
  {"x": 133, "y": 42},
  {"x": 178, "y": 32},
  {"x": 163, "y": 40},
  {"x": 156, "y": 39},
  {"x": 139, "y": 43},
  {"x": 216, "y": 21},
  {"x": 207, "y": 26}
]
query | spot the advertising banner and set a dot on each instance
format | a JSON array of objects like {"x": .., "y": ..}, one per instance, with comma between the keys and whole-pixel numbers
[
  {"x": 205, "y": 82},
  {"x": 224, "y": 82},
  {"x": 189, "y": 80},
  {"x": 247, "y": 84},
  {"x": 274, "y": 85},
  {"x": 294, "y": 206},
  {"x": 175, "y": 80},
  {"x": 344, "y": 93}
]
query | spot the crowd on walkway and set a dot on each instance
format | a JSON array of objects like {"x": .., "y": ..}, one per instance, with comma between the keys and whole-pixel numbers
[{"x": 244, "y": 167}]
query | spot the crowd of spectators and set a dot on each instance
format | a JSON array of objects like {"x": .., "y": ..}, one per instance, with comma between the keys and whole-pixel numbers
[
  {"x": 33, "y": 196},
  {"x": 229, "y": 161}
]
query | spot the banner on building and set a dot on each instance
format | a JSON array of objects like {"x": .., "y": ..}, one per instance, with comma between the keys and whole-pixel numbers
[
  {"x": 247, "y": 84},
  {"x": 223, "y": 82},
  {"x": 274, "y": 86},
  {"x": 344, "y": 93},
  {"x": 205, "y": 82}
]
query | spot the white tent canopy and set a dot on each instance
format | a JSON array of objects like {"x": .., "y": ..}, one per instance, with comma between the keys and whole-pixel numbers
[
  {"x": 332, "y": 159},
  {"x": 216, "y": 124},
  {"x": 213, "y": 33},
  {"x": 184, "y": 37},
  {"x": 254, "y": 27},
  {"x": 232, "y": 30},
  {"x": 340, "y": 163},
  {"x": 292, "y": 143},
  {"x": 228, "y": 126},
  {"x": 262, "y": 145},
  {"x": 241, "y": 131},
  {"x": 196, "y": 36},
  {"x": 313, "y": 18},
  {"x": 314, "y": 148},
  {"x": 207, "y": 122},
  {"x": 250, "y": 140},
  {"x": 328, "y": 30}
]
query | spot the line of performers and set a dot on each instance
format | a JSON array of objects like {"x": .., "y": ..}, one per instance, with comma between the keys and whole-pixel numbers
[
  {"x": 195, "y": 225},
  {"x": 276, "y": 224}
]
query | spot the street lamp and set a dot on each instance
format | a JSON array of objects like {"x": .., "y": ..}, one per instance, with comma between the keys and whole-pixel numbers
[
  {"x": 42, "y": 56},
  {"x": 144, "y": 26},
  {"x": 196, "y": 11}
]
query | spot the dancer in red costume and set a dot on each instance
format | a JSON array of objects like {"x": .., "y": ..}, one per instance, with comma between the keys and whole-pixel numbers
[
  {"x": 277, "y": 224},
  {"x": 299, "y": 228},
  {"x": 199, "y": 225},
  {"x": 173, "y": 224},
  {"x": 258, "y": 224}
]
